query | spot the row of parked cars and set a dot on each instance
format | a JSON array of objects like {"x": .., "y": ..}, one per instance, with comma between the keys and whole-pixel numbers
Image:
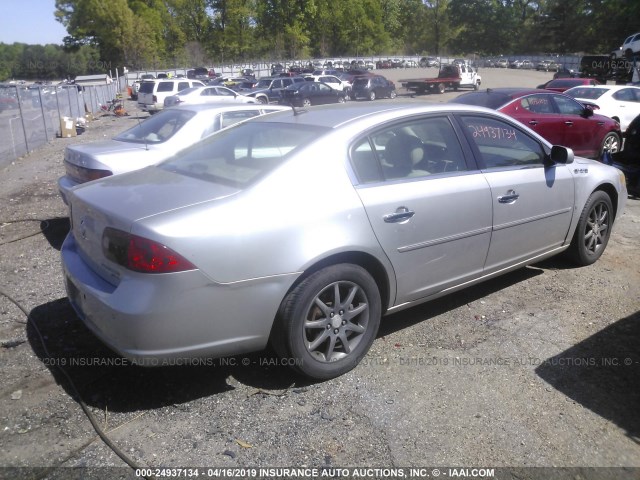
[
  {"x": 524, "y": 64},
  {"x": 317, "y": 88}
]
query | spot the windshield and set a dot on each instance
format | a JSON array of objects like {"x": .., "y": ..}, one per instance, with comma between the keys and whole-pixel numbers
[
  {"x": 590, "y": 93},
  {"x": 158, "y": 128},
  {"x": 242, "y": 154}
]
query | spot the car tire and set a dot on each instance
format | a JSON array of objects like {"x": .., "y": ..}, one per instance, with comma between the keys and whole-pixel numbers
[
  {"x": 610, "y": 143},
  {"x": 263, "y": 100},
  {"x": 476, "y": 86},
  {"x": 372, "y": 95},
  {"x": 441, "y": 88},
  {"x": 327, "y": 323},
  {"x": 392, "y": 94},
  {"x": 593, "y": 230},
  {"x": 306, "y": 102},
  {"x": 341, "y": 99}
]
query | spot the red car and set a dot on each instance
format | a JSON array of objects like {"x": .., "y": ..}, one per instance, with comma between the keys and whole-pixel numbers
[
  {"x": 555, "y": 116},
  {"x": 562, "y": 84}
]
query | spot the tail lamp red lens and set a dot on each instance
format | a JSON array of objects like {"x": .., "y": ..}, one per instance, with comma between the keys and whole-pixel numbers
[{"x": 141, "y": 254}]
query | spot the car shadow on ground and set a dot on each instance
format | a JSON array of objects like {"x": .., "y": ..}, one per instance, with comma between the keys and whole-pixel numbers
[
  {"x": 102, "y": 377},
  {"x": 426, "y": 311},
  {"x": 55, "y": 230},
  {"x": 602, "y": 373}
]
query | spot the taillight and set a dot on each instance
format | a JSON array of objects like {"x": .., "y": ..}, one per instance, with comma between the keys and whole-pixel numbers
[
  {"x": 154, "y": 99},
  {"x": 141, "y": 254},
  {"x": 83, "y": 174}
]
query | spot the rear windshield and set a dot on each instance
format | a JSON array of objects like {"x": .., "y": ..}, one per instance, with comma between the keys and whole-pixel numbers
[
  {"x": 590, "y": 93},
  {"x": 483, "y": 99},
  {"x": 158, "y": 128},
  {"x": 242, "y": 154},
  {"x": 564, "y": 83},
  {"x": 146, "y": 87},
  {"x": 360, "y": 81}
]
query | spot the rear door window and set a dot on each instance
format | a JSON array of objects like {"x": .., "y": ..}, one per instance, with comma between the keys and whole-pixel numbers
[{"x": 166, "y": 87}]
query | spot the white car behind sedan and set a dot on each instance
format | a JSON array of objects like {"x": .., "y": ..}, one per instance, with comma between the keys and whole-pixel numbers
[
  {"x": 157, "y": 138},
  {"x": 620, "y": 102},
  {"x": 208, "y": 94}
]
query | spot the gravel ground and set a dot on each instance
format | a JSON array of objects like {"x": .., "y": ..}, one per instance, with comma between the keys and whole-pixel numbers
[{"x": 538, "y": 368}]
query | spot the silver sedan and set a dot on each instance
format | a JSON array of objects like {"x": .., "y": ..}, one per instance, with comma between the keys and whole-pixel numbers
[
  {"x": 303, "y": 228},
  {"x": 155, "y": 139}
]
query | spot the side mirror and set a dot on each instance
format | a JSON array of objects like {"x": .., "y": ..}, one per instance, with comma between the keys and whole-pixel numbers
[
  {"x": 587, "y": 112},
  {"x": 562, "y": 155}
]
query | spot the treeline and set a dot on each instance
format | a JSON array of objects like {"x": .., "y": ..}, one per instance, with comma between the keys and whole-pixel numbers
[
  {"x": 49, "y": 62},
  {"x": 158, "y": 34}
]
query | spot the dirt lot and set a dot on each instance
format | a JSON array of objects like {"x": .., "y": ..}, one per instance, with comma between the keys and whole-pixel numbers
[{"x": 539, "y": 368}]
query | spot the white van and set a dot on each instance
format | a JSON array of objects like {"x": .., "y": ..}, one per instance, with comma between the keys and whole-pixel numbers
[{"x": 152, "y": 93}]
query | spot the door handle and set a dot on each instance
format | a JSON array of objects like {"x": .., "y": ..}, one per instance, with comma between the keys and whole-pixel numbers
[
  {"x": 400, "y": 215},
  {"x": 568, "y": 122},
  {"x": 533, "y": 122},
  {"x": 510, "y": 197}
]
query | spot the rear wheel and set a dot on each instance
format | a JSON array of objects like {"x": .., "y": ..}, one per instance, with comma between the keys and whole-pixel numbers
[
  {"x": 329, "y": 321},
  {"x": 306, "y": 102},
  {"x": 393, "y": 94},
  {"x": 593, "y": 230},
  {"x": 263, "y": 100},
  {"x": 341, "y": 99},
  {"x": 441, "y": 88}
]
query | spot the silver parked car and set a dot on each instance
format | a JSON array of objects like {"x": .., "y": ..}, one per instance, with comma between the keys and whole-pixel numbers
[
  {"x": 156, "y": 138},
  {"x": 303, "y": 228},
  {"x": 209, "y": 94}
]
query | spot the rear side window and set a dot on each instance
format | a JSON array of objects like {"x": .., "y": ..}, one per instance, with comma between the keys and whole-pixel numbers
[
  {"x": 165, "y": 87},
  {"x": 537, "y": 104},
  {"x": 421, "y": 148},
  {"x": 183, "y": 85}
]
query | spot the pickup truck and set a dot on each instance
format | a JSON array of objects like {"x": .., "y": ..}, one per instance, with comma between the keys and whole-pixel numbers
[{"x": 449, "y": 77}]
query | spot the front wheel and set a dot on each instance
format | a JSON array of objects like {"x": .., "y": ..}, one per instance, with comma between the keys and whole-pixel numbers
[
  {"x": 263, "y": 100},
  {"x": 441, "y": 88},
  {"x": 372, "y": 95},
  {"x": 611, "y": 143},
  {"x": 392, "y": 94},
  {"x": 306, "y": 102},
  {"x": 341, "y": 99},
  {"x": 593, "y": 230},
  {"x": 329, "y": 321}
]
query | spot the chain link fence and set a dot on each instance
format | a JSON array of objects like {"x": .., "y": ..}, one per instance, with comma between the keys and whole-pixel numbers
[{"x": 31, "y": 116}]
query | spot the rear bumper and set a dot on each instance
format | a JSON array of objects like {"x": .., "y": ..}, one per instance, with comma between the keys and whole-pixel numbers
[{"x": 158, "y": 319}]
